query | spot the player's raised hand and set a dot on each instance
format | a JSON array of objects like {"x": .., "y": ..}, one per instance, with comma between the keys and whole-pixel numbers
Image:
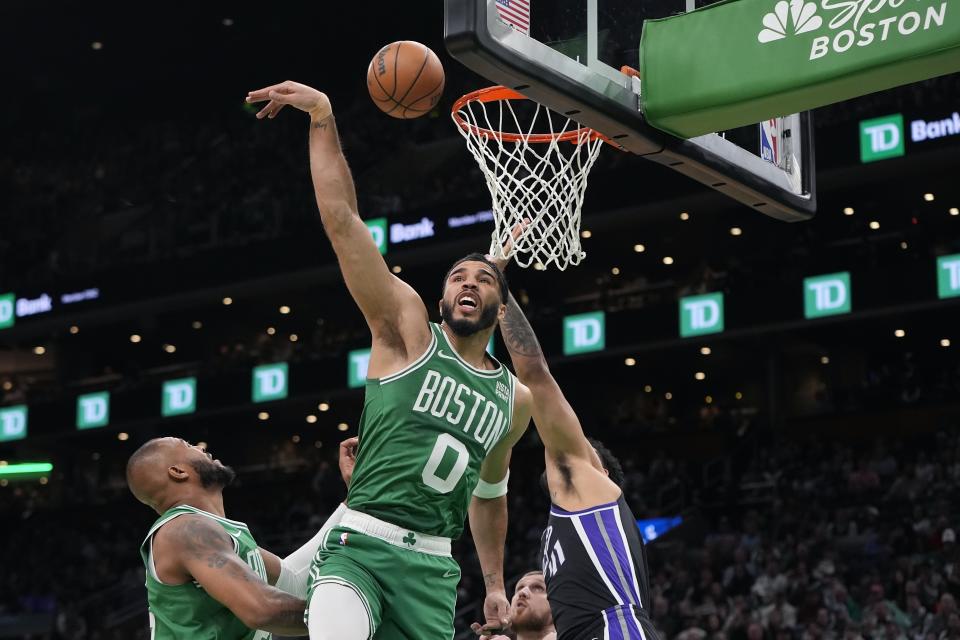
[
  {"x": 295, "y": 94},
  {"x": 515, "y": 233},
  {"x": 348, "y": 458}
]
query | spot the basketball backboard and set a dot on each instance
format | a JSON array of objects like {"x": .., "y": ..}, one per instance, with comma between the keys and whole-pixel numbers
[{"x": 567, "y": 55}]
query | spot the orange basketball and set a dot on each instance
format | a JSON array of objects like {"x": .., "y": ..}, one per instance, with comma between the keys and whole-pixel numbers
[{"x": 405, "y": 79}]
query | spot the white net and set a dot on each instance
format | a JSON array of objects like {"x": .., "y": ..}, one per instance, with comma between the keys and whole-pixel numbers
[{"x": 535, "y": 179}]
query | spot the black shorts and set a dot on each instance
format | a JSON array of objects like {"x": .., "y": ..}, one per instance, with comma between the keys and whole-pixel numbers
[{"x": 619, "y": 623}]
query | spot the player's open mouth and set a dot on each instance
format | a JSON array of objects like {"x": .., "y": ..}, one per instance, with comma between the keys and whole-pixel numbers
[{"x": 468, "y": 302}]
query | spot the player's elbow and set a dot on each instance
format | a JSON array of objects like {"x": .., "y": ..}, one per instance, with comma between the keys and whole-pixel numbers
[
  {"x": 262, "y": 611},
  {"x": 533, "y": 371}
]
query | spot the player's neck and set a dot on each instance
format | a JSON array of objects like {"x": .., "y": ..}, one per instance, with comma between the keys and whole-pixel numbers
[
  {"x": 209, "y": 501},
  {"x": 473, "y": 349}
]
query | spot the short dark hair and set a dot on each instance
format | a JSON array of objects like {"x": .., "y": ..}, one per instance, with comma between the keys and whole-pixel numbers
[
  {"x": 609, "y": 461},
  {"x": 479, "y": 257}
]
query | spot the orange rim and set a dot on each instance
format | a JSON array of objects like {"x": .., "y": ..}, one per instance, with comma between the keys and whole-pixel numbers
[{"x": 500, "y": 93}]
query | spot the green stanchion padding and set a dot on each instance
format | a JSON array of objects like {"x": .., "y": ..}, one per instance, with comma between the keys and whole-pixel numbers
[{"x": 739, "y": 62}]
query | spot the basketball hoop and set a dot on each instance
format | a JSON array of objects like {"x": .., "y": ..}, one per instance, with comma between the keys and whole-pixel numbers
[{"x": 533, "y": 180}]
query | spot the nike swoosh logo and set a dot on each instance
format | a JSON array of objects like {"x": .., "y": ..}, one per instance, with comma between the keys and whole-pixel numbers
[
  {"x": 451, "y": 573},
  {"x": 443, "y": 355},
  {"x": 236, "y": 533}
]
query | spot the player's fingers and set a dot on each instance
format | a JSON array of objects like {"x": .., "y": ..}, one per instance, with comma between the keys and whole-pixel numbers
[
  {"x": 276, "y": 109},
  {"x": 259, "y": 95},
  {"x": 476, "y": 628}
]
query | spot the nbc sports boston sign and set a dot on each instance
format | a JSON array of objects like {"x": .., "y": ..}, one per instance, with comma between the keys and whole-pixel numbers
[{"x": 812, "y": 53}]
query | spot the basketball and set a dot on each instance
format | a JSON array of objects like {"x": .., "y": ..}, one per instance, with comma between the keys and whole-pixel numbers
[{"x": 405, "y": 79}]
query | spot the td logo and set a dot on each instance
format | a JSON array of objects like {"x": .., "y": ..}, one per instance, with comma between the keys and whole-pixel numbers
[
  {"x": 357, "y": 364},
  {"x": 584, "y": 333},
  {"x": 6, "y": 310},
  {"x": 179, "y": 397},
  {"x": 948, "y": 276},
  {"x": 270, "y": 382},
  {"x": 13, "y": 423},
  {"x": 881, "y": 138},
  {"x": 93, "y": 410},
  {"x": 701, "y": 315},
  {"x": 378, "y": 230},
  {"x": 827, "y": 295}
]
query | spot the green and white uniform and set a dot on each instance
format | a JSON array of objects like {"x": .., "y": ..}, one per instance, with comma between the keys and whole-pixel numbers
[
  {"x": 185, "y": 611},
  {"x": 424, "y": 433}
]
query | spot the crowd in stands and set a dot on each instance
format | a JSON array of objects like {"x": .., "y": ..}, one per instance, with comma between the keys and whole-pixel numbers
[{"x": 805, "y": 537}]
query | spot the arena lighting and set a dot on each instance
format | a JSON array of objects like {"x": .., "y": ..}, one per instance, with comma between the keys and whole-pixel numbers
[
  {"x": 343, "y": 426},
  {"x": 397, "y": 268},
  {"x": 639, "y": 248},
  {"x": 954, "y": 211},
  {"x": 271, "y": 331},
  {"x": 227, "y": 22},
  {"x": 74, "y": 330},
  {"x": 294, "y": 337},
  {"x": 848, "y": 211},
  {"x": 123, "y": 436},
  {"x": 227, "y": 301},
  {"x": 135, "y": 338},
  {"x": 700, "y": 375},
  {"x": 197, "y": 324},
  {"x": 824, "y": 360},
  {"x": 708, "y": 399},
  {"x": 25, "y": 469},
  {"x": 586, "y": 233},
  {"x": 318, "y": 444},
  {"x": 945, "y": 342},
  {"x": 647, "y": 388},
  {"x": 900, "y": 333},
  {"x": 667, "y": 260},
  {"x": 684, "y": 216},
  {"x": 263, "y": 415},
  {"x": 169, "y": 348},
  {"x": 311, "y": 419},
  {"x": 7, "y": 385},
  {"x": 874, "y": 225},
  {"x": 96, "y": 45},
  {"x": 736, "y": 231},
  {"x": 615, "y": 271},
  {"x": 929, "y": 197},
  {"x": 738, "y": 395},
  {"x": 284, "y": 310},
  {"x": 630, "y": 362},
  {"x": 39, "y": 350},
  {"x": 903, "y": 245},
  {"x": 44, "y": 480},
  {"x": 705, "y": 351},
  {"x": 323, "y": 406},
  {"x": 668, "y": 395},
  {"x": 295, "y": 439}
]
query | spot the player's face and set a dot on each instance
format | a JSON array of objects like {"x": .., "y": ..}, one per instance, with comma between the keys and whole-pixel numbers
[
  {"x": 471, "y": 299},
  {"x": 530, "y": 610},
  {"x": 210, "y": 471}
]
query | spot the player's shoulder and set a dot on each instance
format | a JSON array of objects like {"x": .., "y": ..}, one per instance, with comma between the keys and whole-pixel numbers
[
  {"x": 522, "y": 396},
  {"x": 194, "y": 532}
]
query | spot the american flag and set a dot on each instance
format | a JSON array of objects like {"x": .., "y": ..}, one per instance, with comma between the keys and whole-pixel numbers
[{"x": 515, "y": 13}]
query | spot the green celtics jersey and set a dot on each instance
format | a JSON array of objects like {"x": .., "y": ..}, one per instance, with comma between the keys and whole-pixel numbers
[
  {"x": 424, "y": 432},
  {"x": 179, "y": 612}
]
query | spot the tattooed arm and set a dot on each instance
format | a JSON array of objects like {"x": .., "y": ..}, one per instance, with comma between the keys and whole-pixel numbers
[
  {"x": 196, "y": 548},
  {"x": 572, "y": 465}
]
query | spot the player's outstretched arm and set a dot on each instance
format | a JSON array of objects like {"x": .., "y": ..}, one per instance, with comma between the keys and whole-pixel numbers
[
  {"x": 201, "y": 549},
  {"x": 556, "y": 421},
  {"x": 393, "y": 310}
]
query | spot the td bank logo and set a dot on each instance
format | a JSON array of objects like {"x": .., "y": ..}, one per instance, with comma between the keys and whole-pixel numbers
[
  {"x": 13, "y": 423},
  {"x": 179, "y": 397},
  {"x": 93, "y": 410},
  {"x": 7, "y": 310},
  {"x": 837, "y": 26},
  {"x": 701, "y": 315},
  {"x": 584, "y": 333},
  {"x": 378, "y": 231},
  {"x": 881, "y": 138},
  {"x": 270, "y": 382},
  {"x": 948, "y": 276},
  {"x": 357, "y": 364},
  {"x": 827, "y": 295}
]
